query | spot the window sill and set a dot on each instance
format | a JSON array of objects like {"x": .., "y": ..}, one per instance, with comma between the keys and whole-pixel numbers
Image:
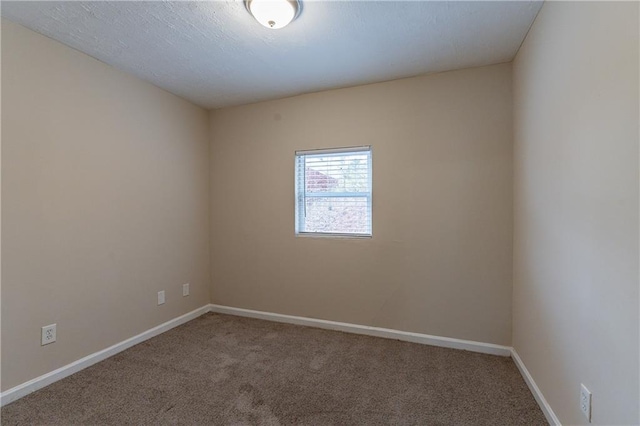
[{"x": 333, "y": 235}]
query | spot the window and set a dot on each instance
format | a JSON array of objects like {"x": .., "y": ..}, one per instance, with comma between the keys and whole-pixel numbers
[{"x": 333, "y": 192}]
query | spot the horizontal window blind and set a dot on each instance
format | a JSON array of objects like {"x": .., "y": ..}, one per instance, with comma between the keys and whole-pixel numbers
[{"x": 333, "y": 191}]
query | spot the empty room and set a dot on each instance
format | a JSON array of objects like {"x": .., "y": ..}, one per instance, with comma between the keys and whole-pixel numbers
[{"x": 314, "y": 212}]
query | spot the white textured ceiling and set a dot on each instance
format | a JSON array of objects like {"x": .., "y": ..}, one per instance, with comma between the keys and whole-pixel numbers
[{"x": 215, "y": 54}]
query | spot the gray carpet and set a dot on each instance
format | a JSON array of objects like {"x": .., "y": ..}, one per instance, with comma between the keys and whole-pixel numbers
[{"x": 226, "y": 370}]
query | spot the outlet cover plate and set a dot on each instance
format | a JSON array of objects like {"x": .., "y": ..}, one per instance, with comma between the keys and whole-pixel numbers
[
  {"x": 185, "y": 289},
  {"x": 48, "y": 334},
  {"x": 161, "y": 297},
  {"x": 585, "y": 401}
]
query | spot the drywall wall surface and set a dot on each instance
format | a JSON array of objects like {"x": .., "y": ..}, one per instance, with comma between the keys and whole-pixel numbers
[
  {"x": 440, "y": 259},
  {"x": 105, "y": 187},
  {"x": 576, "y": 208}
]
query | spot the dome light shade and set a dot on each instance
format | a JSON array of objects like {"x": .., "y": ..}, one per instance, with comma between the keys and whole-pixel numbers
[{"x": 273, "y": 14}]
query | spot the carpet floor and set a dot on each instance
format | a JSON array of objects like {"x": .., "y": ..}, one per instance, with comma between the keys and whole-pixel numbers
[{"x": 226, "y": 370}]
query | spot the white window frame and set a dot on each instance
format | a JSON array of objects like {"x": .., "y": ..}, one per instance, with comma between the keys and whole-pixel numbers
[{"x": 301, "y": 195}]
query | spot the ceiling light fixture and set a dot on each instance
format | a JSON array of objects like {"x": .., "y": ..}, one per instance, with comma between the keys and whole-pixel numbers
[{"x": 273, "y": 14}]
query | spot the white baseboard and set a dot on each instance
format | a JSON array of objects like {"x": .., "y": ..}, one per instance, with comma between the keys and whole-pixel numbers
[
  {"x": 33, "y": 385},
  {"x": 537, "y": 394},
  {"x": 445, "y": 342}
]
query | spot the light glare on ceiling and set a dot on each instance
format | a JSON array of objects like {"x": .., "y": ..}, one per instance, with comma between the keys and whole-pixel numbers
[{"x": 273, "y": 14}]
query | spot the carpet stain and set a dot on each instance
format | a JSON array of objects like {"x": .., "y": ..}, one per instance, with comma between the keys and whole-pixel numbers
[{"x": 251, "y": 404}]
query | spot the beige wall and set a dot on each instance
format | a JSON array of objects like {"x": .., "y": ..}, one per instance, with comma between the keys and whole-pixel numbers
[
  {"x": 576, "y": 208},
  {"x": 440, "y": 259},
  {"x": 105, "y": 201}
]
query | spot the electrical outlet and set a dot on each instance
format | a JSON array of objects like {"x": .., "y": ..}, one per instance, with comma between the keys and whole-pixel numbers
[
  {"x": 48, "y": 334},
  {"x": 161, "y": 297},
  {"x": 585, "y": 402},
  {"x": 185, "y": 289}
]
